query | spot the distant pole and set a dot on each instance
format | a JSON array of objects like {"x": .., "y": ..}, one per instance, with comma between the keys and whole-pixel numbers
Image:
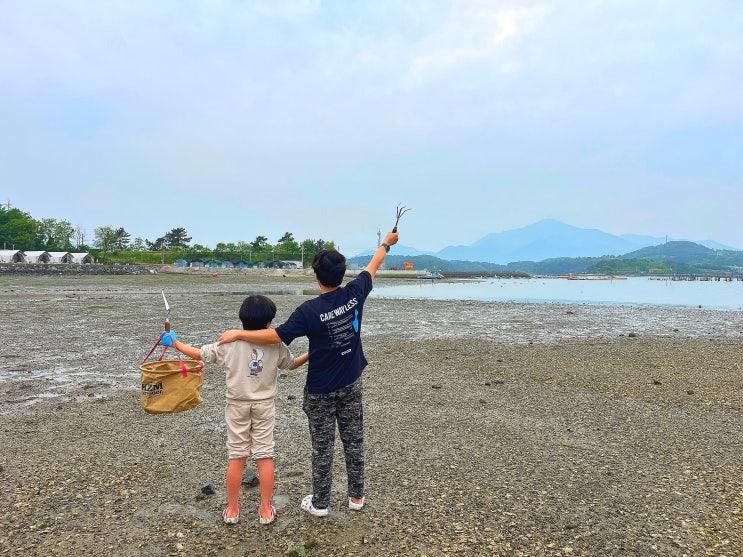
[
  {"x": 379, "y": 237},
  {"x": 302, "y": 255},
  {"x": 250, "y": 254}
]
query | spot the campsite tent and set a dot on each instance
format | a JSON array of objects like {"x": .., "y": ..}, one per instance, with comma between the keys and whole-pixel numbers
[
  {"x": 37, "y": 257},
  {"x": 11, "y": 256},
  {"x": 60, "y": 257},
  {"x": 81, "y": 258}
]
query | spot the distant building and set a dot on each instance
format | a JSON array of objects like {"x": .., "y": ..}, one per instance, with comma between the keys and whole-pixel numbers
[
  {"x": 288, "y": 264},
  {"x": 37, "y": 257},
  {"x": 408, "y": 265},
  {"x": 12, "y": 256},
  {"x": 60, "y": 257},
  {"x": 81, "y": 258}
]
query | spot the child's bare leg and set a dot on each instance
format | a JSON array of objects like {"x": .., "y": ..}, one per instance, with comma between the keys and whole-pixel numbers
[
  {"x": 235, "y": 469},
  {"x": 265, "y": 483}
]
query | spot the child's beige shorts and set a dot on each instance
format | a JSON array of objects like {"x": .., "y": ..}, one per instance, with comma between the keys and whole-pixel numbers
[{"x": 250, "y": 429}]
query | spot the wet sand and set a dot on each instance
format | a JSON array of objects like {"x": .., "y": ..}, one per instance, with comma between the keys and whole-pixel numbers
[{"x": 492, "y": 429}]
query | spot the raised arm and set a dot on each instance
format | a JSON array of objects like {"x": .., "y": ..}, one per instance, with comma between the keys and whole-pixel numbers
[
  {"x": 390, "y": 239},
  {"x": 262, "y": 336}
]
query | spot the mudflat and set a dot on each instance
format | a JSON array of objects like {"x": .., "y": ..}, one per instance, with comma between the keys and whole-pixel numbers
[{"x": 491, "y": 429}]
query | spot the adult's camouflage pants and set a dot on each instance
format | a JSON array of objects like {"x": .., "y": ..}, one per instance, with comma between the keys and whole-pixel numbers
[{"x": 345, "y": 408}]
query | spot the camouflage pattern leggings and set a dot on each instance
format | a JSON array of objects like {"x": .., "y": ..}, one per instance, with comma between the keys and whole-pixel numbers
[{"x": 323, "y": 410}]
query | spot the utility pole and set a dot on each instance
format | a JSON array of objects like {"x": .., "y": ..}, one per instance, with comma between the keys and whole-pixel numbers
[
  {"x": 379, "y": 237},
  {"x": 302, "y": 255}
]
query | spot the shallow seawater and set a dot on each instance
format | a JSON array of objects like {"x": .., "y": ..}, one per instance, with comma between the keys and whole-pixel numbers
[{"x": 633, "y": 291}]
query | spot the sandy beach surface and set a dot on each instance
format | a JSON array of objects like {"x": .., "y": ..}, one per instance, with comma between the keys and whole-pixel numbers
[{"x": 491, "y": 429}]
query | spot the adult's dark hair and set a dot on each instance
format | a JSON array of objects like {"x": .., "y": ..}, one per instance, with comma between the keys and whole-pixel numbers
[
  {"x": 257, "y": 312},
  {"x": 329, "y": 266}
]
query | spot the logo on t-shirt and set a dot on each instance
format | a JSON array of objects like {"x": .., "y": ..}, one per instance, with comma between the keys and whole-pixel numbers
[
  {"x": 256, "y": 362},
  {"x": 355, "y": 321}
]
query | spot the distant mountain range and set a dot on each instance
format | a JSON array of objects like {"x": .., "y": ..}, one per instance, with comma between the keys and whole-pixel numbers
[
  {"x": 546, "y": 239},
  {"x": 679, "y": 257}
]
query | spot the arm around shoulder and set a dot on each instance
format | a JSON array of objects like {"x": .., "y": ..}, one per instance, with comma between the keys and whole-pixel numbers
[{"x": 262, "y": 336}]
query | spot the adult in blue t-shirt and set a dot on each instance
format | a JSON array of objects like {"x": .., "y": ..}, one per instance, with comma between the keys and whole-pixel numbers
[{"x": 333, "y": 392}]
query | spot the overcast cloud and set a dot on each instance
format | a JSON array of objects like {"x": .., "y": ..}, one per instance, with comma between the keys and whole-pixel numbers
[{"x": 235, "y": 119}]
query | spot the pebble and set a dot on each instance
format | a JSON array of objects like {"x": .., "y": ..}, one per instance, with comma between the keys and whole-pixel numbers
[
  {"x": 633, "y": 335},
  {"x": 291, "y": 397},
  {"x": 250, "y": 479},
  {"x": 435, "y": 386},
  {"x": 656, "y": 382},
  {"x": 207, "y": 489}
]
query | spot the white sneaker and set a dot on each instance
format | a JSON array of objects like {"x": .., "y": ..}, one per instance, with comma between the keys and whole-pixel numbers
[
  {"x": 356, "y": 506},
  {"x": 310, "y": 508}
]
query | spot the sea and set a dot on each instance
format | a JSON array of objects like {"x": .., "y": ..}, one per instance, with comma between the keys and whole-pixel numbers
[{"x": 630, "y": 291}]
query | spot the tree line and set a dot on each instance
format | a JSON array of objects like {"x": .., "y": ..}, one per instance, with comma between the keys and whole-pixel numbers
[{"x": 20, "y": 230}]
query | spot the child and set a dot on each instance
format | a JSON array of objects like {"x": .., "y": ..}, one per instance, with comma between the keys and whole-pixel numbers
[
  {"x": 252, "y": 373},
  {"x": 333, "y": 393}
]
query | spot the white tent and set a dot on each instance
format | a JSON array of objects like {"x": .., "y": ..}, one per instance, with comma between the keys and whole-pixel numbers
[
  {"x": 60, "y": 257},
  {"x": 37, "y": 257},
  {"x": 81, "y": 258},
  {"x": 11, "y": 256}
]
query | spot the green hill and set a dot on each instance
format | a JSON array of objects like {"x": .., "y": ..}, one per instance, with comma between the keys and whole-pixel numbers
[
  {"x": 686, "y": 252},
  {"x": 690, "y": 257}
]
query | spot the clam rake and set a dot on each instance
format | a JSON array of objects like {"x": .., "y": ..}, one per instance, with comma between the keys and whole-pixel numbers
[{"x": 401, "y": 210}]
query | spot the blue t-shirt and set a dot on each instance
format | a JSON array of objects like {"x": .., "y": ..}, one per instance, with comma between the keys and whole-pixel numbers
[{"x": 332, "y": 322}]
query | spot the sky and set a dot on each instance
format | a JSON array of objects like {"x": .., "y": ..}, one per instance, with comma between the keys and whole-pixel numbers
[{"x": 235, "y": 119}]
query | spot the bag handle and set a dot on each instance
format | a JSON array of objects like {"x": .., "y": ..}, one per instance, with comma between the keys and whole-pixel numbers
[
  {"x": 184, "y": 369},
  {"x": 147, "y": 357}
]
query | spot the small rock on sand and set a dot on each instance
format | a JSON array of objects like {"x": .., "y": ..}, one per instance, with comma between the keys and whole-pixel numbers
[
  {"x": 207, "y": 489},
  {"x": 250, "y": 479}
]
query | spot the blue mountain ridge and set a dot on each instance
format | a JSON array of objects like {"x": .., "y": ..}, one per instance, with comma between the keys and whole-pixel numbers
[{"x": 545, "y": 239}]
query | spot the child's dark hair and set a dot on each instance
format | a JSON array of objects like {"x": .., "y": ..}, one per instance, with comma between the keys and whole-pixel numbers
[
  {"x": 257, "y": 312},
  {"x": 329, "y": 266}
]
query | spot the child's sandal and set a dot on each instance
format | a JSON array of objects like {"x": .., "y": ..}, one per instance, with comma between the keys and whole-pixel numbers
[
  {"x": 230, "y": 519},
  {"x": 268, "y": 519}
]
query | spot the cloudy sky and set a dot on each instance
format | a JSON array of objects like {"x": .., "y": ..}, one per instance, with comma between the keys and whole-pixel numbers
[{"x": 241, "y": 118}]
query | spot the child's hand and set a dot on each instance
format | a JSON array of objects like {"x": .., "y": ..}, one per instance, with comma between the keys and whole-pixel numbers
[{"x": 169, "y": 338}]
